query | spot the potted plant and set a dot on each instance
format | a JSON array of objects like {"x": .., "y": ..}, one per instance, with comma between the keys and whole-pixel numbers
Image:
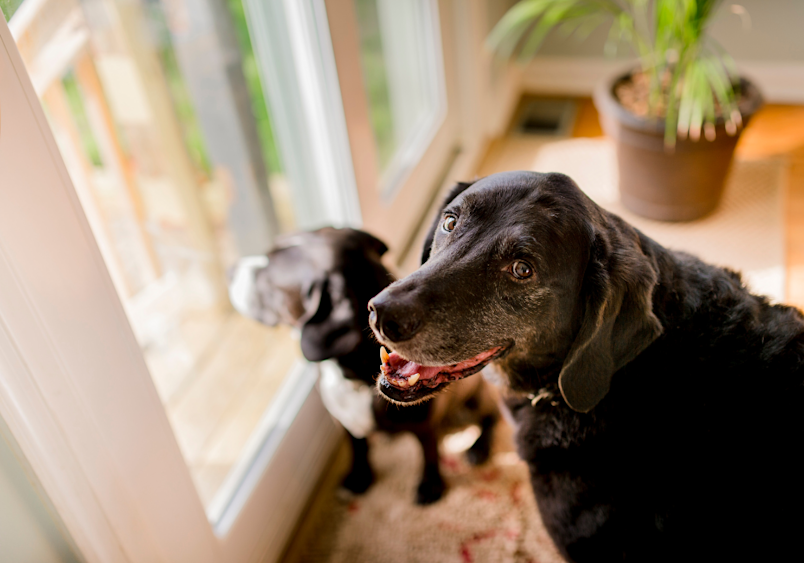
[{"x": 676, "y": 118}]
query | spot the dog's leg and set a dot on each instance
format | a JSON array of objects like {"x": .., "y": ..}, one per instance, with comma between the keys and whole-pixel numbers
[
  {"x": 478, "y": 454},
  {"x": 361, "y": 476},
  {"x": 432, "y": 484}
]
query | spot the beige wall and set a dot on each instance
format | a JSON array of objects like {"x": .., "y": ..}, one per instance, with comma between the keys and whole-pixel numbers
[{"x": 775, "y": 34}]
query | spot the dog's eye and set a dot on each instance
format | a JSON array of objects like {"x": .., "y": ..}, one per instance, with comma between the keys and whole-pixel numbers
[
  {"x": 449, "y": 223},
  {"x": 521, "y": 270}
]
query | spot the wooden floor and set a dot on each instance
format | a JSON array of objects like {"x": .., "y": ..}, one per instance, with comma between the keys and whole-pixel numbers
[{"x": 779, "y": 130}]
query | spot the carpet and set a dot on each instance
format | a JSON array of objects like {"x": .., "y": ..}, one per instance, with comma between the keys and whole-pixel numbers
[{"x": 488, "y": 513}]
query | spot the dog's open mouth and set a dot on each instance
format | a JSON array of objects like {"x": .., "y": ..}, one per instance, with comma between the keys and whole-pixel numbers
[{"x": 405, "y": 382}]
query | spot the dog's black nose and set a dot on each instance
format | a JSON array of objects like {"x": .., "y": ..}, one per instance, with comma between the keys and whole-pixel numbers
[{"x": 392, "y": 319}]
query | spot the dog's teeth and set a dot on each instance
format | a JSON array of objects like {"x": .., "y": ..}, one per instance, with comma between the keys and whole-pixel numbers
[
  {"x": 413, "y": 379},
  {"x": 384, "y": 354}
]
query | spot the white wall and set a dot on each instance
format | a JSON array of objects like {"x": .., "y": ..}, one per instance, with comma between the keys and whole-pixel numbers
[
  {"x": 29, "y": 530},
  {"x": 774, "y": 35},
  {"x": 770, "y": 51}
]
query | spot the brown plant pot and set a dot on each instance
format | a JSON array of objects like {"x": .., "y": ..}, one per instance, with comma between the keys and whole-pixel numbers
[{"x": 681, "y": 185}]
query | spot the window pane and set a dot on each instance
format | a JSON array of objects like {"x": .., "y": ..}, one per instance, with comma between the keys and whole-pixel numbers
[
  {"x": 158, "y": 111},
  {"x": 402, "y": 74}
]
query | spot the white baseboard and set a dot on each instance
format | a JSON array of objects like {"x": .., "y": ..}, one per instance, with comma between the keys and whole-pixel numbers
[
  {"x": 779, "y": 82},
  {"x": 573, "y": 76}
]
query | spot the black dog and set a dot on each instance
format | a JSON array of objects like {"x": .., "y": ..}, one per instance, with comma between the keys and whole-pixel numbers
[
  {"x": 321, "y": 283},
  {"x": 658, "y": 402}
]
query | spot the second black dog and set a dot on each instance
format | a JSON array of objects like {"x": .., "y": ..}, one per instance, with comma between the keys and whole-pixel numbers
[{"x": 321, "y": 282}]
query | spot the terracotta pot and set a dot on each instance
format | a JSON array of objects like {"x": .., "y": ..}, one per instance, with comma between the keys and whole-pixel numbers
[{"x": 669, "y": 186}]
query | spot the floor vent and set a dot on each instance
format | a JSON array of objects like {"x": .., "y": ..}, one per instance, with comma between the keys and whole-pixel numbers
[{"x": 552, "y": 117}]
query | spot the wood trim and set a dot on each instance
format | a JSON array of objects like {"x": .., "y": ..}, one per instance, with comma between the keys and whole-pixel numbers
[
  {"x": 80, "y": 172},
  {"x": 266, "y": 523},
  {"x": 342, "y": 19},
  {"x": 128, "y": 21},
  {"x": 100, "y": 118},
  {"x": 794, "y": 211}
]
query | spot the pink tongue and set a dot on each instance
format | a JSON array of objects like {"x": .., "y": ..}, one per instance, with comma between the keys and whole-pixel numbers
[{"x": 400, "y": 367}]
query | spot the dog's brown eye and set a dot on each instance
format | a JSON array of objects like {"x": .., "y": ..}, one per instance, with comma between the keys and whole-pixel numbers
[
  {"x": 521, "y": 270},
  {"x": 449, "y": 223}
]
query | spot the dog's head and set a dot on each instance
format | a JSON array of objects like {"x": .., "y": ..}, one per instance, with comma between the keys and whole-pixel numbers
[
  {"x": 318, "y": 282},
  {"x": 522, "y": 268}
]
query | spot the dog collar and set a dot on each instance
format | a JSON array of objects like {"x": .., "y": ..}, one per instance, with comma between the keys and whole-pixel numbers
[{"x": 543, "y": 394}]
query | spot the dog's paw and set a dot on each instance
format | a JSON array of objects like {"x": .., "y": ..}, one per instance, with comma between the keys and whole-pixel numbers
[
  {"x": 358, "y": 480},
  {"x": 430, "y": 490}
]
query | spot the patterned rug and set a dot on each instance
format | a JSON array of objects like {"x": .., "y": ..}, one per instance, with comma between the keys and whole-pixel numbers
[{"x": 488, "y": 513}]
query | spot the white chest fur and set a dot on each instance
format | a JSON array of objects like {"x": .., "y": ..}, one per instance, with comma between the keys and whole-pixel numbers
[{"x": 347, "y": 400}]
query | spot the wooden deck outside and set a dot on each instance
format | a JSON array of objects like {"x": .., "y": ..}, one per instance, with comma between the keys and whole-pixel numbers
[
  {"x": 166, "y": 225},
  {"x": 217, "y": 403}
]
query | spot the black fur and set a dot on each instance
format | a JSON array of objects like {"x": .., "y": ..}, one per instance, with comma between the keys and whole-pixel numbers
[
  {"x": 694, "y": 454},
  {"x": 671, "y": 421}
]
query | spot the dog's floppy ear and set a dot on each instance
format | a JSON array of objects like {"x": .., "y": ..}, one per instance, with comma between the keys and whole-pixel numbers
[
  {"x": 618, "y": 321},
  {"x": 371, "y": 242},
  {"x": 454, "y": 192},
  {"x": 329, "y": 326}
]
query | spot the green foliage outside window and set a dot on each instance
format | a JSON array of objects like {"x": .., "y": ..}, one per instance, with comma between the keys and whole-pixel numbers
[
  {"x": 8, "y": 7},
  {"x": 258, "y": 105}
]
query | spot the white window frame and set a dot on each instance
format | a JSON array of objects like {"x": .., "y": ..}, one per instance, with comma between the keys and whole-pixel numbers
[
  {"x": 306, "y": 108},
  {"x": 411, "y": 147}
]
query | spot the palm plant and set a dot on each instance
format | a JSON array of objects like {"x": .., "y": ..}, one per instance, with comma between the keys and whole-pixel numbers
[{"x": 692, "y": 82}]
